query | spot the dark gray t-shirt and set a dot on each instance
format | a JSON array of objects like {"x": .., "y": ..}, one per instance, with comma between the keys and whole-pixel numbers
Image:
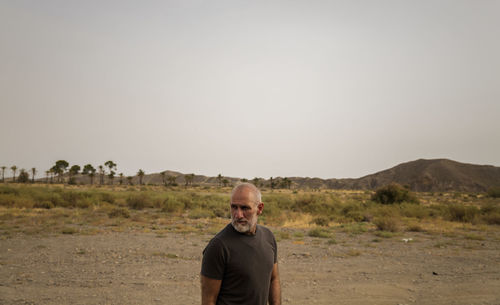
[{"x": 243, "y": 262}]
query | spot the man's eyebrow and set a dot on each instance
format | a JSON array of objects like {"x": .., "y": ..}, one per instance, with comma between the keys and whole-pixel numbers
[{"x": 243, "y": 205}]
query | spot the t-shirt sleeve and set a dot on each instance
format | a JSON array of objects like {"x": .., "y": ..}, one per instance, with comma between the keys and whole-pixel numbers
[{"x": 214, "y": 260}]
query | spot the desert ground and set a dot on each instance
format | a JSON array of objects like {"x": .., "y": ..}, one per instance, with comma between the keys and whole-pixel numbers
[
  {"x": 143, "y": 245},
  {"x": 147, "y": 268}
]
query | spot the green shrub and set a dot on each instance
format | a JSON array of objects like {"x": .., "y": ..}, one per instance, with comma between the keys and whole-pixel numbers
[
  {"x": 172, "y": 205},
  {"x": 353, "y": 211},
  {"x": 318, "y": 232},
  {"x": 393, "y": 193},
  {"x": 138, "y": 201},
  {"x": 283, "y": 235},
  {"x": 462, "y": 213},
  {"x": 414, "y": 210},
  {"x": 354, "y": 228},
  {"x": 387, "y": 223},
  {"x": 107, "y": 197},
  {"x": 494, "y": 192},
  {"x": 200, "y": 213},
  {"x": 119, "y": 212},
  {"x": 490, "y": 214},
  {"x": 321, "y": 220},
  {"x": 69, "y": 231},
  {"x": 491, "y": 219},
  {"x": 4, "y": 189},
  {"x": 315, "y": 203},
  {"x": 12, "y": 200},
  {"x": 43, "y": 205},
  {"x": 23, "y": 177},
  {"x": 414, "y": 227},
  {"x": 221, "y": 212}
]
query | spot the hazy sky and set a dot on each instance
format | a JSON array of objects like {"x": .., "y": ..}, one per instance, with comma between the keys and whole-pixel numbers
[{"x": 329, "y": 89}]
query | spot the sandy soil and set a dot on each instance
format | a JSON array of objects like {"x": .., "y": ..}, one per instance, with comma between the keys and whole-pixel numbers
[{"x": 143, "y": 268}]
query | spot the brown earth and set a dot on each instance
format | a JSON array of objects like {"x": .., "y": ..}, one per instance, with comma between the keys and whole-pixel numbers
[{"x": 144, "y": 268}]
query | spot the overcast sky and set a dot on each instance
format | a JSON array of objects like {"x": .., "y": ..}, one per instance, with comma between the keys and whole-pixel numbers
[{"x": 330, "y": 89}]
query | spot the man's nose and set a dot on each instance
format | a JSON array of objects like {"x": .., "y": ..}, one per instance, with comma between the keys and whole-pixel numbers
[{"x": 238, "y": 213}]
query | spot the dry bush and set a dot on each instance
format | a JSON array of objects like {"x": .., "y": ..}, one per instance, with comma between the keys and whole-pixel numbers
[
  {"x": 414, "y": 227},
  {"x": 462, "y": 213},
  {"x": 139, "y": 201},
  {"x": 321, "y": 220},
  {"x": 394, "y": 193},
  {"x": 319, "y": 232},
  {"x": 201, "y": 213},
  {"x": 387, "y": 223},
  {"x": 490, "y": 214},
  {"x": 119, "y": 212},
  {"x": 494, "y": 192}
]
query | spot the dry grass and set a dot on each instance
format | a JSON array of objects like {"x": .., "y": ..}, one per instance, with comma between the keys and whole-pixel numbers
[{"x": 26, "y": 209}]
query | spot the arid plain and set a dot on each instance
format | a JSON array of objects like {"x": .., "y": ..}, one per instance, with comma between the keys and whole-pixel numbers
[{"x": 118, "y": 250}]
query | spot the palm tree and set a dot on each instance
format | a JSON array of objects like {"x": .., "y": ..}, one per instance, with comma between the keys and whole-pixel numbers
[
  {"x": 111, "y": 177},
  {"x": 189, "y": 179},
  {"x": 162, "y": 174},
  {"x": 74, "y": 170},
  {"x": 286, "y": 182},
  {"x": 24, "y": 177},
  {"x": 14, "y": 169},
  {"x": 171, "y": 180},
  {"x": 121, "y": 178},
  {"x": 101, "y": 174},
  {"x": 140, "y": 173},
  {"x": 47, "y": 173},
  {"x": 111, "y": 165},
  {"x": 3, "y": 173},
  {"x": 272, "y": 183},
  {"x": 89, "y": 170},
  {"x": 129, "y": 179},
  {"x": 33, "y": 173},
  {"x": 219, "y": 180},
  {"x": 52, "y": 173},
  {"x": 61, "y": 166}
]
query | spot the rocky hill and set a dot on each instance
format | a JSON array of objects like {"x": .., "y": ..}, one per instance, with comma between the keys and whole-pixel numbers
[
  {"x": 437, "y": 175},
  {"x": 421, "y": 175}
]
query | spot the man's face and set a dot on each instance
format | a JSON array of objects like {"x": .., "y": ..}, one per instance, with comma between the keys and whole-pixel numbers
[{"x": 244, "y": 211}]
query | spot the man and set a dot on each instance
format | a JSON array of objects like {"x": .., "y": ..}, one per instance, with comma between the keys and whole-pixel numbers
[{"x": 240, "y": 263}]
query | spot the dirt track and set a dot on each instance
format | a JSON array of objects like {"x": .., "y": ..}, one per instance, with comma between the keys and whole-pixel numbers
[{"x": 142, "y": 268}]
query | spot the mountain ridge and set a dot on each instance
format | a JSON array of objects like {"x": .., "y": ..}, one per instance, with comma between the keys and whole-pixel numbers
[{"x": 426, "y": 175}]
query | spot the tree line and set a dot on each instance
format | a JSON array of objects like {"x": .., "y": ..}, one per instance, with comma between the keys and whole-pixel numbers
[{"x": 62, "y": 172}]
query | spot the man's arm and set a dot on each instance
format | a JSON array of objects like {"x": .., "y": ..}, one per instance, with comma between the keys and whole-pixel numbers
[
  {"x": 209, "y": 290},
  {"x": 274, "y": 288}
]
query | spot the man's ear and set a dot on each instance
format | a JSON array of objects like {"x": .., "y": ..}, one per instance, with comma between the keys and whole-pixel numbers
[{"x": 260, "y": 208}]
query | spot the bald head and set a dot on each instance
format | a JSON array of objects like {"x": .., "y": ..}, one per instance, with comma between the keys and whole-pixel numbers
[{"x": 251, "y": 189}]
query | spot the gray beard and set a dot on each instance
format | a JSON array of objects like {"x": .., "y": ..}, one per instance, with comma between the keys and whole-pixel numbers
[{"x": 244, "y": 228}]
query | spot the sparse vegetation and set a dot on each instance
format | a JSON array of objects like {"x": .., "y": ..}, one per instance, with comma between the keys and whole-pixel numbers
[
  {"x": 494, "y": 192},
  {"x": 318, "y": 214},
  {"x": 318, "y": 232},
  {"x": 387, "y": 223},
  {"x": 394, "y": 193}
]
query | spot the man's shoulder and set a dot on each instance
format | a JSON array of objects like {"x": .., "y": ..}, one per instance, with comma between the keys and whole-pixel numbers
[
  {"x": 225, "y": 232},
  {"x": 265, "y": 231},
  {"x": 222, "y": 236}
]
